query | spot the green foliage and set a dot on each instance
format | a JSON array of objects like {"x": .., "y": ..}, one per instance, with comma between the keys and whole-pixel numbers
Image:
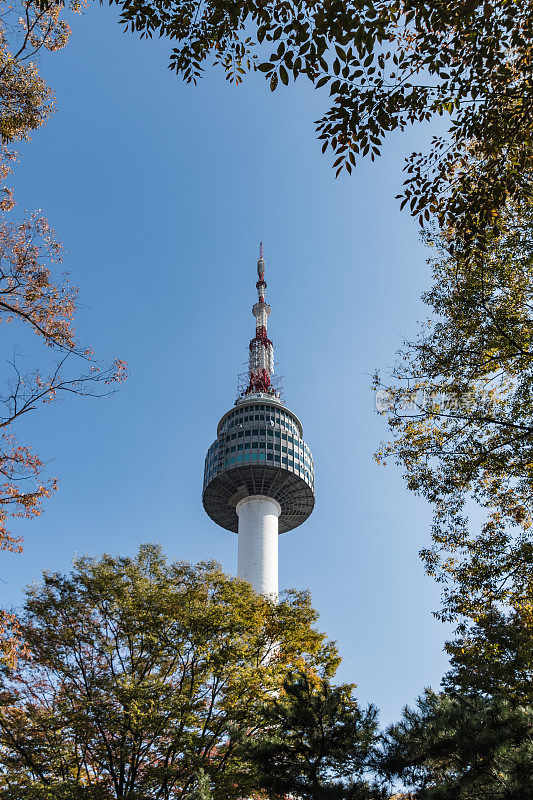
[
  {"x": 142, "y": 679},
  {"x": 462, "y": 748},
  {"x": 461, "y": 419},
  {"x": 495, "y": 656},
  {"x": 386, "y": 64},
  {"x": 318, "y": 742},
  {"x": 201, "y": 790}
]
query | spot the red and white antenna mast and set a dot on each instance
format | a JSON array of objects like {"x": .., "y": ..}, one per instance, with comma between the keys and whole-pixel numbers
[{"x": 261, "y": 359}]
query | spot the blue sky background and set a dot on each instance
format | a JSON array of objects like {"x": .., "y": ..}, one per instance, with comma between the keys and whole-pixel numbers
[{"x": 160, "y": 193}]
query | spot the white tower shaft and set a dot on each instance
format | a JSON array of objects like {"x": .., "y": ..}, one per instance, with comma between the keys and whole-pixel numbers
[{"x": 258, "y": 543}]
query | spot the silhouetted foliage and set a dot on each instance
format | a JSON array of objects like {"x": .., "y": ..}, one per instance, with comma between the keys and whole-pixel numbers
[{"x": 386, "y": 64}]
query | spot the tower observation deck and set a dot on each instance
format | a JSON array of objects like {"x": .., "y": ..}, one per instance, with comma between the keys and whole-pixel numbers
[{"x": 259, "y": 475}]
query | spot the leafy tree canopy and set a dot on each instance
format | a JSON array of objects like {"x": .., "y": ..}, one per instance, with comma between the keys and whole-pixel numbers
[
  {"x": 33, "y": 292},
  {"x": 386, "y": 64},
  {"x": 460, "y": 411},
  {"x": 144, "y": 678},
  {"x": 27, "y": 27},
  {"x": 317, "y": 744},
  {"x": 462, "y": 748},
  {"x": 494, "y": 657}
]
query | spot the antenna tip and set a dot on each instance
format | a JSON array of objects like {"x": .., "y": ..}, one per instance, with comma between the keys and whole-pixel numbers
[{"x": 260, "y": 249}]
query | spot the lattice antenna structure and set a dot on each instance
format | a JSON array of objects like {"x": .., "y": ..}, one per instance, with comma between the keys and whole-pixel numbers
[
  {"x": 276, "y": 382},
  {"x": 261, "y": 348}
]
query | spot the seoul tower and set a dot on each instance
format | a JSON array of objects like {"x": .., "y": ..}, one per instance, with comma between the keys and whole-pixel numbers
[{"x": 259, "y": 477}]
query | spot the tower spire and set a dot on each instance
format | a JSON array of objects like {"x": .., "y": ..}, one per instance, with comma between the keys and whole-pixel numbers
[{"x": 261, "y": 358}]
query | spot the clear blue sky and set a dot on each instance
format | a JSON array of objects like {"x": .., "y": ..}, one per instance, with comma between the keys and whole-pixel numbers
[{"x": 161, "y": 193}]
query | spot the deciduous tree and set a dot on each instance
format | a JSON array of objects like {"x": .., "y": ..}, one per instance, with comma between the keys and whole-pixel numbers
[
  {"x": 143, "y": 677},
  {"x": 386, "y": 64},
  {"x": 27, "y": 27},
  {"x": 494, "y": 656},
  {"x": 460, "y": 411},
  {"x": 33, "y": 292}
]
